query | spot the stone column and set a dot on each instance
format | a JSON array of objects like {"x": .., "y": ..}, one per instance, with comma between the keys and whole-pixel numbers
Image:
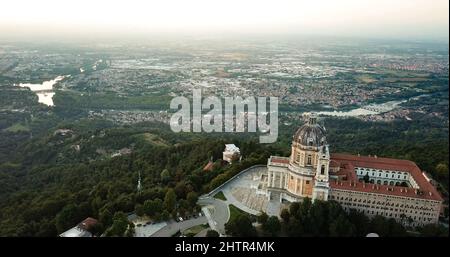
[
  {"x": 301, "y": 187},
  {"x": 281, "y": 179},
  {"x": 296, "y": 186}
]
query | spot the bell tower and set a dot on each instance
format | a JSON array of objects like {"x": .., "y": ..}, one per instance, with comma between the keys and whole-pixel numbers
[{"x": 321, "y": 179}]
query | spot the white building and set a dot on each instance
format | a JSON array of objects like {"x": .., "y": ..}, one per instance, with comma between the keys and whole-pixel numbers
[
  {"x": 231, "y": 153},
  {"x": 375, "y": 186}
]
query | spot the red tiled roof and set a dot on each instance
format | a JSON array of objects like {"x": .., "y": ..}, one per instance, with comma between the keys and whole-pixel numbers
[
  {"x": 88, "y": 223},
  {"x": 382, "y": 189},
  {"x": 374, "y": 162},
  {"x": 349, "y": 162},
  {"x": 334, "y": 163},
  {"x": 279, "y": 160},
  {"x": 209, "y": 166}
]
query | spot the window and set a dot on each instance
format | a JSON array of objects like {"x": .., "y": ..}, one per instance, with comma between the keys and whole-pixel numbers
[
  {"x": 309, "y": 160},
  {"x": 307, "y": 182},
  {"x": 322, "y": 170}
]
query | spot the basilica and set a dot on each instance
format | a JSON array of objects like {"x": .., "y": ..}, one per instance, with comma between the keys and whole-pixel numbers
[{"x": 373, "y": 185}]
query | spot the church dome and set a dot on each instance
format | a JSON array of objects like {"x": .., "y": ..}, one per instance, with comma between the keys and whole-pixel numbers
[{"x": 311, "y": 133}]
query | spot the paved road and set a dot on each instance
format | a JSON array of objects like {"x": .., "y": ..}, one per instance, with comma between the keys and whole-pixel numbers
[
  {"x": 218, "y": 215},
  {"x": 173, "y": 227}
]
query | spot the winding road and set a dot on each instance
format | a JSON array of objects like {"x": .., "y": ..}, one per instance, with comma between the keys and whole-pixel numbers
[{"x": 217, "y": 213}]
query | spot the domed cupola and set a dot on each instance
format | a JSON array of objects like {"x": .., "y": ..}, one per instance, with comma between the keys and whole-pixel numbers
[{"x": 311, "y": 133}]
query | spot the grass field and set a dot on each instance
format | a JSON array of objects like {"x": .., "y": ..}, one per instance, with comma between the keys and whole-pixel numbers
[
  {"x": 220, "y": 196},
  {"x": 18, "y": 127},
  {"x": 154, "y": 139},
  {"x": 195, "y": 230},
  {"x": 235, "y": 211}
]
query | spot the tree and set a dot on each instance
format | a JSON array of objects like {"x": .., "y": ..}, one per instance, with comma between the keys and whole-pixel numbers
[
  {"x": 395, "y": 228},
  {"x": 262, "y": 218},
  {"x": 318, "y": 217},
  {"x": 293, "y": 208},
  {"x": 272, "y": 226},
  {"x": 442, "y": 169},
  {"x": 183, "y": 204},
  {"x": 180, "y": 189},
  {"x": 119, "y": 226},
  {"x": 192, "y": 198},
  {"x": 305, "y": 206},
  {"x": 153, "y": 207},
  {"x": 105, "y": 217},
  {"x": 165, "y": 215},
  {"x": 165, "y": 176},
  {"x": 68, "y": 217},
  {"x": 170, "y": 200},
  {"x": 379, "y": 225},
  {"x": 432, "y": 230},
  {"x": 139, "y": 210},
  {"x": 360, "y": 222},
  {"x": 240, "y": 226},
  {"x": 341, "y": 227},
  {"x": 212, "y": 233},
  {"x": 442, "y": 172},
  {"x": 131, "y": 230},
  {"x": 285, "y": 215},
  {"x": 295, "y": 227}
]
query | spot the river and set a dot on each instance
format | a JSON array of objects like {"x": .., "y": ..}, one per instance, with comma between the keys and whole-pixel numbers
[
  {"x": 370, "y": 109},
  {"x": 44, "y": 91}
]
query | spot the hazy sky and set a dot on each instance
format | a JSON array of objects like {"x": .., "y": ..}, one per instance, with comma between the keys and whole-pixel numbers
[{"x": 367, "y": 18}]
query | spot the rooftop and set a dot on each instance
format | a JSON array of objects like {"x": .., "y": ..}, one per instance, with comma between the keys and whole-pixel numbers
[
  {"x": 231, "y": 148},
  {"x": 278, "y": 161},
  {"x": 87, "y": 224},
  {"x": 349, "y": 162}
]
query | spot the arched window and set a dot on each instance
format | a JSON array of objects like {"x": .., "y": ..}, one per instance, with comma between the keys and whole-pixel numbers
[{"x": 322, "y": 170}]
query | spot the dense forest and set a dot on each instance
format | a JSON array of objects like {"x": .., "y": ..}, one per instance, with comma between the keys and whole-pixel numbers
[
  {"x": 323, "y": 219},
  {"x": 52, "y": 187},
  {"x": 55, "y": 170}
]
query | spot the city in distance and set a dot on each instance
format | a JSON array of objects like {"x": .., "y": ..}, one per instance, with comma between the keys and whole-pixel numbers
[{"x": 88, "y": 146}]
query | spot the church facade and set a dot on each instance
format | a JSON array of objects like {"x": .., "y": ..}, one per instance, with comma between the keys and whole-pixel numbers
[{"x": 375, "y": 186}]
